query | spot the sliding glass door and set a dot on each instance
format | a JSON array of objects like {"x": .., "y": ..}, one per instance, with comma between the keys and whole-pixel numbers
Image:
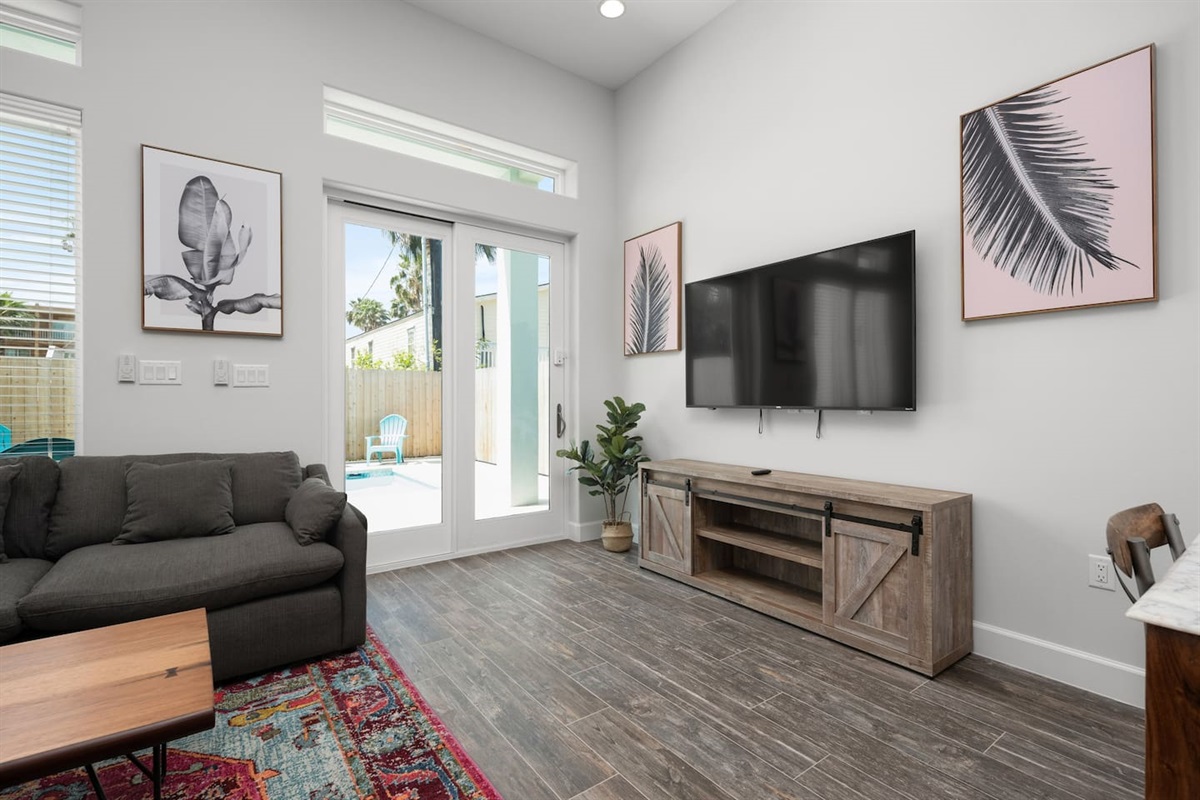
[
  {"x": 449, "y": 411},
  {"x": 393, "y": 330},
  {"x": 510, "y": 421}
]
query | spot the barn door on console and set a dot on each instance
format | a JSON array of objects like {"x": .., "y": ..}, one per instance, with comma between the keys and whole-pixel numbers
[
  {"x": 667, "y": 528},
  {"x": 874, "y": 585}
]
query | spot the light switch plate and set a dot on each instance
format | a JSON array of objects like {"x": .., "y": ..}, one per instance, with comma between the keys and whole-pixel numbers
[
  {"x": 221, "y": 372},
  {"x": 160, "y": 373},
  {"x": 126, "y": 368},
  {"x": 251, "y": 376}
]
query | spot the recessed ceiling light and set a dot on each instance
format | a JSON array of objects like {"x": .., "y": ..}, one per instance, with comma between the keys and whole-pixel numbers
[{"x": 612, "y": 9}]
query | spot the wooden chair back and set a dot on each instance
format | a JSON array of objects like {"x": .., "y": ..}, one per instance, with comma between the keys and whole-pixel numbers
[{"x": 1134, "y": 532}]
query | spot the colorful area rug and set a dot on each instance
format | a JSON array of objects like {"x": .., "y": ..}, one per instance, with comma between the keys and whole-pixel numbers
[{"x": 351, "y": 727}]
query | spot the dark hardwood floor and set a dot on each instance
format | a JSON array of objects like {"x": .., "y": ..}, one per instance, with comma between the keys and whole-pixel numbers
[{"x": 567, "y": 672}]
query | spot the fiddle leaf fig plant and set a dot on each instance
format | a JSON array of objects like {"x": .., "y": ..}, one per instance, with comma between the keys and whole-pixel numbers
[
  {"x": 206, "y": 228},
  {"x": 611, "y": 466}
]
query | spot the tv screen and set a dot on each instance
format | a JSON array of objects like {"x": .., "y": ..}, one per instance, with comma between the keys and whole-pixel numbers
[{"x": 833, "y": 330}]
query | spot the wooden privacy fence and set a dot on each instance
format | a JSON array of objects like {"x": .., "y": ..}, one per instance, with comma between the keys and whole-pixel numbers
[
  {"x": 372, "y": 394},
  {"x": 485, "y": 415},
  {"x": 37, "y": 397}
]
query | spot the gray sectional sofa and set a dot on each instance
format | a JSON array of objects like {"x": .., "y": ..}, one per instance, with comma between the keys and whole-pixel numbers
[{"x": 270, "y": 599}]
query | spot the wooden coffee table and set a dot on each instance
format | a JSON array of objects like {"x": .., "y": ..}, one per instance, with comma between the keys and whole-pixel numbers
[{"x": 83, "y": 697}]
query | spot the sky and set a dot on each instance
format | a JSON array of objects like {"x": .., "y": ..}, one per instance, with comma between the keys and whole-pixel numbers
[{"x": 370, "y": 258}]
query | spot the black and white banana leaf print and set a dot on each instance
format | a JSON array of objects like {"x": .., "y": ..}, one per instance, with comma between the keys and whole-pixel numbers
[{"x": 1034, "y": 202}]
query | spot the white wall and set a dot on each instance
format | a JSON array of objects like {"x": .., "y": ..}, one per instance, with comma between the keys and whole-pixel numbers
[
  {"x": 242, "y": 82},
  {"x": 788, "y": 128}
]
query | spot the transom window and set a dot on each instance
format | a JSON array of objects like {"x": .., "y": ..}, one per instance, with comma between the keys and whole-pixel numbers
[
  {"x": 366, "y": 121},
  {"x": 48, "y": 28}
]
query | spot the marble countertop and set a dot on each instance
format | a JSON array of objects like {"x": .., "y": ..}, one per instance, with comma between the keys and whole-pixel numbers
[{"x": 1174, "y": 600}]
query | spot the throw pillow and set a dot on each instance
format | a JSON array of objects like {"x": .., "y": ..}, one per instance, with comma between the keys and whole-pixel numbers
[
  {"x": 177, "y": 501},
  {"x": 313, "y": 510},
  {"x": 8, "y": 474}
]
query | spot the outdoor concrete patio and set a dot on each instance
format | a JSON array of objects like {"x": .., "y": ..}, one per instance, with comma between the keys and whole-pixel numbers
[{"x": 409, "y": 494}]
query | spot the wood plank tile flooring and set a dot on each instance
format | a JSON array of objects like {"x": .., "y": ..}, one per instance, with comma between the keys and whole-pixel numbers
[{"x": 570, "y": 674}]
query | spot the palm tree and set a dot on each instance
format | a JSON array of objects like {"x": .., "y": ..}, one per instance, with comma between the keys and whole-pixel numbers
[
  {"x": 417, "y": 290},
  {"x": 408, "y": 282},
  {"x": 366, "y": 313},
  {"x": 16, "y": 320},
  {"x": 406, "y": 285}
]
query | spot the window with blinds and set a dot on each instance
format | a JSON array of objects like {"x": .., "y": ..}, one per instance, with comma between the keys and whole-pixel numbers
[{"x": 39, "y": 265}]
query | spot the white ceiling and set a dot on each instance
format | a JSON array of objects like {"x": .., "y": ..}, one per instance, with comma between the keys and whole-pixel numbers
[{"x": 572, "y": 35}]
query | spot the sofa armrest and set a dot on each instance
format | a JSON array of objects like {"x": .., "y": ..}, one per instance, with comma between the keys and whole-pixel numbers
[
  {"x": 349, "y": 536},
  {"x": 317, "y": 471}
]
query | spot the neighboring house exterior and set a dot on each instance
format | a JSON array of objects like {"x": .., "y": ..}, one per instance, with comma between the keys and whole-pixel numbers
[
  {"x": 405, "y": 335},
  {"x": 35, "y": 337},
  {"x": 408, "y": 335}
]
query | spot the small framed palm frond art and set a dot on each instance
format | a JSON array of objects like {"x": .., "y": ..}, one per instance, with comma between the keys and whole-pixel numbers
[
  {"x": 652, "y": 290},
  {"x": 1058, "y": 194},
  {"x": 212, "y": 246}
]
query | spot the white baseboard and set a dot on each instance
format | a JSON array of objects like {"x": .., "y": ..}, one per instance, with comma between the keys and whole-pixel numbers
[
  {"x": 1122, "y": 682},
  {"x": 590, "y": 531},
  {"x": 584, "y": 531}
]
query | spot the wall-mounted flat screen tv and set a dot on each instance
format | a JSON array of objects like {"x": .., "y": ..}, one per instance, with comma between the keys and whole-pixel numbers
[{"x": 832, "y": 330}]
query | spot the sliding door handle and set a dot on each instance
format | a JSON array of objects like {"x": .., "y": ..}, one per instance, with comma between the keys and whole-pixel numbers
[{"x": 562, "y": 423}]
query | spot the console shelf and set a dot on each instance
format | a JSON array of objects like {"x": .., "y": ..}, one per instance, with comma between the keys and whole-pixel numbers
[
  {"x": 880, "y": 567},
  {"x": 760, "y": 541},
  {"x": 761, "y": 593}
]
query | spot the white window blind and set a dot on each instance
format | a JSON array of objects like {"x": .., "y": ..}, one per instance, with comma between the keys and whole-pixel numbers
[{"x": 39, "y": 264}]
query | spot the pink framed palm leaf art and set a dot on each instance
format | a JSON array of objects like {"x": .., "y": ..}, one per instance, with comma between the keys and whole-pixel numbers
[
  {"x": 1058, "y": 194},
  {"x": 652, "y": 291}
]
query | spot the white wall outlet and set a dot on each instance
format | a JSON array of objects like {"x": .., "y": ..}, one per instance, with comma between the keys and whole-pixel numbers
[
  {"x": 126, "y": 368},
  {"x": 221, "y": 372},
  {"x": 251, "y": 376},
  {"x": 1100, "y": 573},
  {"x": 162, "y": 373}
]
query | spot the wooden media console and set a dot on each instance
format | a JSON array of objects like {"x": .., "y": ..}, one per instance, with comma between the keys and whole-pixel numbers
[{"x": 879, "y": 567}]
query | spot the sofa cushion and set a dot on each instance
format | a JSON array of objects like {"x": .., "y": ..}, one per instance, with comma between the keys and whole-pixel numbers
[
  {"x": 8, "y": 473},
  {"x": 17, "y": 577},
  {"x": 27, "y": 517},
  {"x": 262, "y": 485},
  {"x": 176, "y": 501},
  {"x": 313, "y": 510},
  {"x": 103, "y": 585},
  {"x": 90, "y": 508}
]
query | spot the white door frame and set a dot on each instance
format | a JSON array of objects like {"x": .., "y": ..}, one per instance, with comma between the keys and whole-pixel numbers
[
  {"x": 462, "y": 535},
  {"x": 480, "y": 535},
  {"x": 388, "y": 548}
]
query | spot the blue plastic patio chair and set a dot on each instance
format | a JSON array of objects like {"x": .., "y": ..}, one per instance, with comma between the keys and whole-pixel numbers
[
  {"x": 392, "y": 433},
  {"x": 5, "y": 438}
]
